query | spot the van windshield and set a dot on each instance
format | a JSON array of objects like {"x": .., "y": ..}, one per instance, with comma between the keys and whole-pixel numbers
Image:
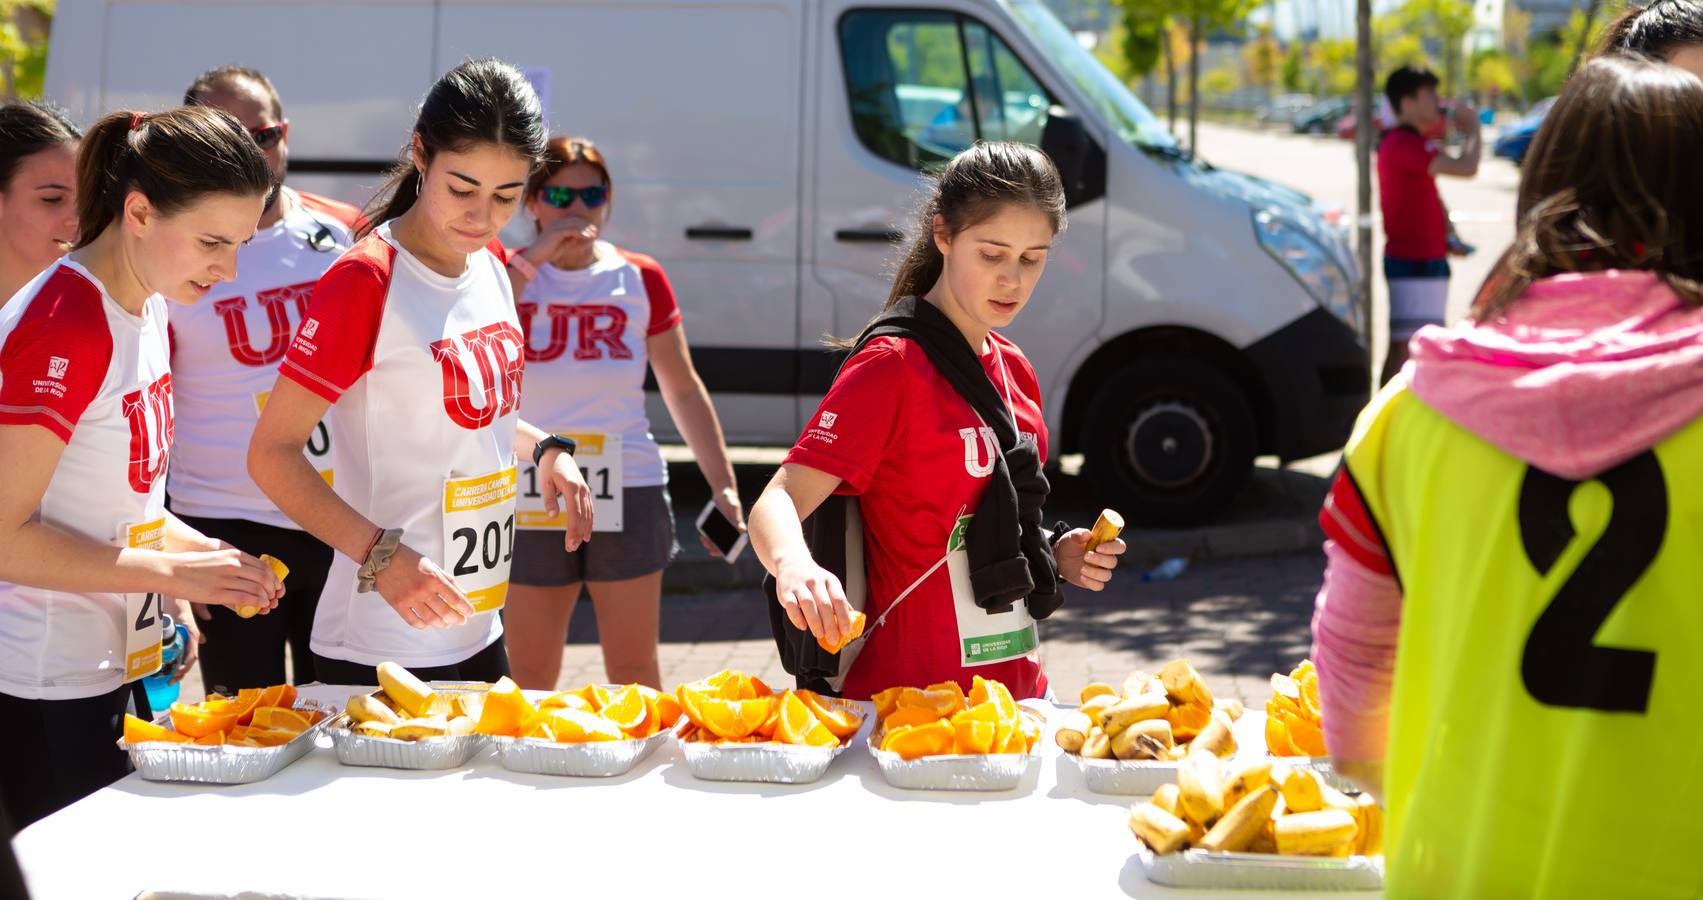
[{"x": 1131, "y": 118}]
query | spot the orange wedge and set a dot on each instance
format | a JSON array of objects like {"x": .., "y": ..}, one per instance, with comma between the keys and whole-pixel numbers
[
  {"x": 627, "y": 709},
  {"x": 136, "y": 731},
  {"x": 574, "y": 726},
  {"x": 735, "y": 718},
  {"x": 842, "y": 722}
]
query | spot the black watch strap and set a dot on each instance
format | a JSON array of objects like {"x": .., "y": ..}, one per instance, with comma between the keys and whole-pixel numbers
[{"x": 565, "y": 443}]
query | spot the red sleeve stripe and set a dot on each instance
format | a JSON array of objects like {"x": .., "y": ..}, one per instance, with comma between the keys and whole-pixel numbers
[
  {"x": 1346, "y": 520},
  {"x": 31, "y": 415},
  {"x": 325, "y": 389}
]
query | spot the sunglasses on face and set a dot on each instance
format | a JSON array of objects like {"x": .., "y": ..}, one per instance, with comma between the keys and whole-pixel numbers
[
  {"x": 269, "y": 136},
  {"x": 563, "y": 197}
]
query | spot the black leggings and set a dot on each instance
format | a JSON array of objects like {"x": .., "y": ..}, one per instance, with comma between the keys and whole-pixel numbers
[
  {"x": 57, "y": 752},
  {"x": 248, "y": 653},
  {"x": 487, "y": 665}
]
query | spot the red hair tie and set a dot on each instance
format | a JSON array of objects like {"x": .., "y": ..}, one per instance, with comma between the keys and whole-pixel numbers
[{"x": 137, "y": 120}]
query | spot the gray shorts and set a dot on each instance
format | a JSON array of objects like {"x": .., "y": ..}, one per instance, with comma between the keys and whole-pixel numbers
[{"x": 644, "y": 546}]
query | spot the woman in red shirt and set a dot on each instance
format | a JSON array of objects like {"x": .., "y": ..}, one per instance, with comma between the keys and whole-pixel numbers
[
  {"x": 38, "y": 190},
  {"x": 895, "y": 433}
]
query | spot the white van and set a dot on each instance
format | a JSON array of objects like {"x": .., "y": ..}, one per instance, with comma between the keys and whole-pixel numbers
[{"x": 768, "y": 153}]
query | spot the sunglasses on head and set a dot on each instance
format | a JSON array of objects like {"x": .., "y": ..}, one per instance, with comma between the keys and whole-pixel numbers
[
  {"x": 269, "y": 136},
  {"x": 563, "y": 197}
]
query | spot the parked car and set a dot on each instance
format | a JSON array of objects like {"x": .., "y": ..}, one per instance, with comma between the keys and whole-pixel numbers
[
  {"x": 1321, "y": 118},
  {"x": 1516, "y": 139},
  {"x": 1190, "y": 320},
  {"x": 1284, "y": 108}
]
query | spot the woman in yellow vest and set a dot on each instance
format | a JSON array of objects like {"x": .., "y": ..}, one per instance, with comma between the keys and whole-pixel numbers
[{"x": 1510, "y": 635}]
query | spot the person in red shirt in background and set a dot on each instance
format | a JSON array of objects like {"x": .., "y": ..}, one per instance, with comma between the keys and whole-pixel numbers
[
  {"x": 894, "y": 432},
  {"x": 38, "y": 190},
  {"x": 1416, "y": 225}
]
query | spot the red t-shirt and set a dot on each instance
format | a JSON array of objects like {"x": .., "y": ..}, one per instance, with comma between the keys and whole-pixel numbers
[
  {"x": 1414, "y": 223},
  {"x": 907, "y": 445}
]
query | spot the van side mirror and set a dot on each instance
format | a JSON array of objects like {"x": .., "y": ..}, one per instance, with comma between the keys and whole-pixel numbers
[{"x": 1080, "y": 161}]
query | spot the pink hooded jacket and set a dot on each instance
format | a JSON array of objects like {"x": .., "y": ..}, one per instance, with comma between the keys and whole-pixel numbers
[{"x": 1583, "y": 373}]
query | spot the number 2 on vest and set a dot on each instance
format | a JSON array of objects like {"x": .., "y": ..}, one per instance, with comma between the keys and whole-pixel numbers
[{"x": 1563, "y": 665}]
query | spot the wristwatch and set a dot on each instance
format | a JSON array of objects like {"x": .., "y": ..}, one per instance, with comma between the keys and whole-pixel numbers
[{"x": 562, "y": 441}]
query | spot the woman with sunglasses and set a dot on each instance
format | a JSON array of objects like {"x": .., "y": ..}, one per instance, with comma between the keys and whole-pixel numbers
[
  {"x": 225, "y": 354},
  {"x": 595, "y": 317},
  {"x": 38, "y": 197}
]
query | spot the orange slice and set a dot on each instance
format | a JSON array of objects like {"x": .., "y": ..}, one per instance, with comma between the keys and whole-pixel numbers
[
  {"x": 596, "y": 695},
  {"x": 627, "y": 709},
  {"x": 576, "y": 726},
  {"x": 136, "y": 731},
  {"x": 667, "y": 710},
  {"x": 972, "y": 735},
  {"x": 858, "y": 620},
  {"x": 204, "y": 719},
  {"x": 943, "y": 703},
  {"x": 277, "y": 717},
  {"x": 842, "y": 722},
  {"x": 211, "y": 739},
  {"x": 735, "y": 718},
  {"x": 886, "y": 701},
  {"x": 917, "y": 741},
  {"x": 506, "y": 709},
  {"x": 911, "y": 715},
  {"x": 798, "y": 725},
  {"x": 1277, "y": 736}
]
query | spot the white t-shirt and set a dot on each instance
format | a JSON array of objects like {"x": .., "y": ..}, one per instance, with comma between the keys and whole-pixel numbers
[
  {"x": 586, "y": 353},
  {"x": 424, "y": 373},
  {"x": 225, "y": 353},
  {"x": 74, "y": 362}
]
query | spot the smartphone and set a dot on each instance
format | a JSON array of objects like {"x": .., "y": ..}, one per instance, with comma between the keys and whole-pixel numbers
[{"x": 725, "y": 535}]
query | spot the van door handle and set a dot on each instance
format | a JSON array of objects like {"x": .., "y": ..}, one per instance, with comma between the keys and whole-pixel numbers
[
  {"x": 869, "y": 236},
  {"x": 717, "y": 233}
]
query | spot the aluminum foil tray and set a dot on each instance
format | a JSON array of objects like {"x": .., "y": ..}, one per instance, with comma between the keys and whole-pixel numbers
[
  {"x": 1262, "y": 871},
  {"x": 168, "y": 761},
  {"x": 960, "y": 772}
]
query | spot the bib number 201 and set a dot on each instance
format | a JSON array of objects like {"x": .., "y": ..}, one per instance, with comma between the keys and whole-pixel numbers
[
  {"x": 482, "y": 550},
  {"x": 1563, "y": 665}
]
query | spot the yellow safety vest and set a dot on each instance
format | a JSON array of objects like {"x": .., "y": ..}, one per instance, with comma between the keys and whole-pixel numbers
[{"x": 1545, "y": 737}]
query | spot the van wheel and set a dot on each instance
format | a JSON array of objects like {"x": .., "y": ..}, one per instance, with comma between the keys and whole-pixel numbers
[{"x": 1170, "y": 440}]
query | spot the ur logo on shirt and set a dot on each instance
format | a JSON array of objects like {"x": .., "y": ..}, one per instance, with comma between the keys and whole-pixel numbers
[
  {"x": 310, "y": 328},
  {"x": 498, "y": 352},
  {"x": 973, "y": 455},
  {"x": 828, "y": 419},
  {"x": 57, "y": 366},
  {"x": 601, "y": 331},
  {"x": 149, "y": 413},
  {"x": 277, "y": 320}
]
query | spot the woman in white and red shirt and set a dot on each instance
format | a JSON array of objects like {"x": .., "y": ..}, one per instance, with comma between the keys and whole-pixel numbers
[
  {"x": 87, "y": 549},
  {"x": 596, "y": 317},
  {"x": 38, "y": 196},
  {"x": 412, "y": 343},
  {"x": 895, "y": 433}
]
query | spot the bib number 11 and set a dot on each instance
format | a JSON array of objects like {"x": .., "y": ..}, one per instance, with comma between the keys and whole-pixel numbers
[{"x": 1563, "y": 665}]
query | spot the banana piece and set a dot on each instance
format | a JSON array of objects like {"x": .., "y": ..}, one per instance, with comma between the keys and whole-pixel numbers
[
  {"x": 470, "y": 704},
  {"x": 1158, "y": 829},
  {"x": 1243, "y": 823},
  {"x": 373, "y": 728},
  {"x": 366, "y": 708},
  {"x": 1106, "y": 528},
  {"x": 1132, "y": 710},
  {"x": 1072, "y": 731},
  {"x": 1247, "y": 779},
  {"x": 415, "y": 729},
  {"x": 1217, "y": 737},
  {"x": 1098, "y": 689},
  {"x": 1331, "y": 798},
  {"x": 1135, "y": 684},
  {"x": 1092, "y": 708},
  {"x": 1097, "y": 745},
  {"x": 1200, "y": 779},
  {"x": 1303, "y": 792},
  {"x": 1147, "y": 739},
  {"x": 1168, "y": 799},
  {"x": 411, "y": 694},
  {"x": 1370, "y": 840},
  {"x": 460, "y": 725},
  {"x": 1266, "y": 840},
  {"x": 1231, "y": 706},
  {"x": 1176, "y": 754},
  {"x": 1320, "y": 833},
  {"x": 1183, "y": 684}
]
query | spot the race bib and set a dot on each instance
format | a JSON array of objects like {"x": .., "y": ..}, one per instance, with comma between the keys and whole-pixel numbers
[
  {"x": 984, "y": 638},
  {"x": 142, "y": 611},
  {"x": 478, "y": 535},
  {"x": 599, "y": 458},
  {"x": 318, "y": 449}
]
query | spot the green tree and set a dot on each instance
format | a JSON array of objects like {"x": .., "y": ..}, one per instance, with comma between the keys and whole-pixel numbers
[
  {"x": 1404, "y": 34},
  {"x": 23, "y": 46},
  {"x": 1293, "y": 75},
  {"x": 1263, "y": 58},
  {"x": 1490, "y": 73}
]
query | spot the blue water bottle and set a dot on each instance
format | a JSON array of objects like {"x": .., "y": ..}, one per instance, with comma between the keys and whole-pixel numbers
[{"x": 162, "y": 693}]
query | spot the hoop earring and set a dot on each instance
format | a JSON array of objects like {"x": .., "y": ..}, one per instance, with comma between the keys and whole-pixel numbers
[{"x": 419, "y": 179}]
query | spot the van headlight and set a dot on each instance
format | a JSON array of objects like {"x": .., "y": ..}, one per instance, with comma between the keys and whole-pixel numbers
[{"x": 1322, "y": 276}]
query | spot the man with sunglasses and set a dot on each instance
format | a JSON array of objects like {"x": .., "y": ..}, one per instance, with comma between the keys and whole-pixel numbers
[{"x": 225, "y": 354}]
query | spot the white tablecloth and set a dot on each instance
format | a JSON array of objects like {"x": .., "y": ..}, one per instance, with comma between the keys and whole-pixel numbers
[{"x": 320, "y": 829}]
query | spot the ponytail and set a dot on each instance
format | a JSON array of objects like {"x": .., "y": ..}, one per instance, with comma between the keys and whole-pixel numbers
[
  {"x": 479, "y": 101},
  {"x": 972, "y": 189},
  {"x": 172, "y": 158}
]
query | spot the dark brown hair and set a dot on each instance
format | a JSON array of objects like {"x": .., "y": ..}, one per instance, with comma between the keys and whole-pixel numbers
[
  {"x": 563, "y": 152},
  {"x": 27, "y": 128},
  {"x": 224, "y": 77},
  {"x": 173, "y": 158},
  {"x": 479, "y": 101},
  {"x": 1656, "y": 30},
  {"x": 971, "y": 189},
  {"x": 1612, "y": 181}
]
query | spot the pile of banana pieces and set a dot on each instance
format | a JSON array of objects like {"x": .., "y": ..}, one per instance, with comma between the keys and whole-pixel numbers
[
  {"x": 407, "y": 709},
  {"x": 1256, "y": 809}
]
